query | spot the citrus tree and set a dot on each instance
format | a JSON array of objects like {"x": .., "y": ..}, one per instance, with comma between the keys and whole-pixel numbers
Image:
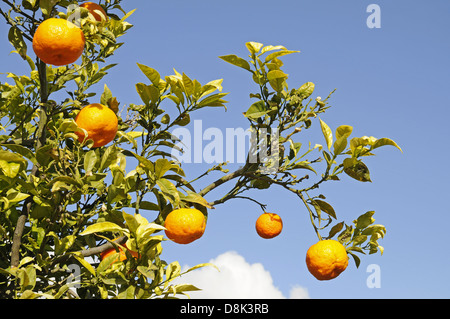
[{"x": 76, "y": 171}]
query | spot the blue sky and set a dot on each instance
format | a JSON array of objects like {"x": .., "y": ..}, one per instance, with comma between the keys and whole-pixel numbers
[{"x": 391, "y": 82}]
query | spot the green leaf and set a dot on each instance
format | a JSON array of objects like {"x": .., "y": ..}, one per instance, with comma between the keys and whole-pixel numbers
[
  {"x": 188, "y": 85},
  {"x": 364, "y": 220},
  {"x": 143, "y": 232},
  {"x": 103, "y": 227},
  {"x": 256, "y": 110},
  {"x": 173, "y": 270},
  {"x": 356, "y": 169},
  {"x": 306, "y": 90},
  {"x": 356, "y": 259},
  {"x": 325, "y": 207},
  {"x": 212, "y": 86},
  {"x": 335, "y": 229},
  {"x": 131, "y": 222},
  {"x": 357, "y": 143},
  {"x": 106, "y": 95},
  {"x": 90, "y": 160},
  {"x": 277, "y": 79},
  {"x": 147, "y": 205},
  {"x": 196, "y": 198},
  {"x": 385, "y": 141},
  {"x": 12, "y": 164},
  {"x": 64, "y": 244},
  {"x": 11, "y": 157},
  {"x": 150, "y": 73},
  {"x": 109, "y": 157},
  {"x": 254, "y": 47},
  {"x": 107, "y": 262},
  {"x": 162, "y": 165},
  {"x": 268, "y": 48},
  {"x": 185, "y": 287},
  {"x": 63, "y": 182},
  {"x": 144, "y": 92},
  {"x": 274, "y": 55},
  {"x": 169, "y": 191},
  {"x": 213, "y": 100},
  {"x": 237, "y": 61},
  {"x": 19, "y": 149},
  {"x": 200, "y": 266},
  {"x": 47, "y": 6},
  {"x": 327, "y": 133},
  {"x": 84, "y": 263},
  {"x": 16, "y": 39},
  {"x": 339, "y": 145},
  {"x": 344, "y": 130},
  {"x": 10, "y": 169},
  {"x": 342, "y": 133},
  {"x": 147, "y": 272}
]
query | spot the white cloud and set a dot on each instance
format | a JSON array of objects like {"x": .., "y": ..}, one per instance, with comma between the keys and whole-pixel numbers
[{"x": 237, "y": 279}]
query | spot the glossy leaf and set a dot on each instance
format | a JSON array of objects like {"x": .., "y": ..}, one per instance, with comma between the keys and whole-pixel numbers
[
  {"x": 150, "y": 73},
  {"x": 385, "y": 141},
  {"x": 237, "y": 61},
  {"x": 277, "y": 54},
  {"x": 196, "y": 198},
  {"x": 342, "y": 134},
  {"x": 254, "y": 47},
  {"x": 327, "y": 133},
  {"x": 306, "y": 90},
  {"x": 169, "y": 191},
  {"x": 277, "y": 79},
  {"x": 256, "y": 110},
  {"x": 103, "y": 227}
]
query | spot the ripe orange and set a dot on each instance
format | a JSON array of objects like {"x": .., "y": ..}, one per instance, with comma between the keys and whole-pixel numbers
[
  {"x": 99, "y": 121},
  {"x": 122, "y": 255},
  {"x": 185, "y": 225},
  {"x": 326, "y": 259},
  {"x": 58, "y": 42},
  {"x": 96, "y": 10},
  {"x": 269, "y": 225}
]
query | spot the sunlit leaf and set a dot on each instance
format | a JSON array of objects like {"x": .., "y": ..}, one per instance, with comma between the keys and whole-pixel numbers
[
  {"x": 327, "y": 133},
  {"x": 254, "y": 47},
  {"x": 385, "y": 141},
  {"x": 237, "y": 61},
  {"x": 103, "y": 227}
]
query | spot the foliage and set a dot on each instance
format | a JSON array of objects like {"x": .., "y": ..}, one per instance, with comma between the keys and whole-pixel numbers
[{"x": 63, "y": 202}]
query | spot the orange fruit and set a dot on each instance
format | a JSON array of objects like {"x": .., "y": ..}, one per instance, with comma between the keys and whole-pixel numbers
[
  {"x": 269, "y": 225},
  {"x": 99, "y": 121},
  {"x": 184, "y": 225},
  {"x": 58, "y": 42},
  {"x": 122, "y": 254},
  {"x": 96, "y": 10},
  {"x": 326, "y": 259}
]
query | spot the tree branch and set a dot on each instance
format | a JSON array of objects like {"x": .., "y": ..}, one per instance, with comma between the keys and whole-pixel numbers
[
  {"x": 102, "y": 248},
  {"x": 223, "y": 180}
]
